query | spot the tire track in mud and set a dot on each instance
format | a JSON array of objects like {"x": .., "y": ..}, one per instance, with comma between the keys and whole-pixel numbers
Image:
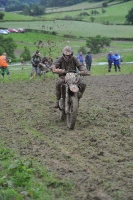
[{"x": 97, "y": 155}]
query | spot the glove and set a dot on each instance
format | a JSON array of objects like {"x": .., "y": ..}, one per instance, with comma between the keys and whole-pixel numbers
[{"x": 84, "y": 73}]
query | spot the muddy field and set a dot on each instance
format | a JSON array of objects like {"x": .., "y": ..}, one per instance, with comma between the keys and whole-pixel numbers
[{"x": 97, "y": 156}]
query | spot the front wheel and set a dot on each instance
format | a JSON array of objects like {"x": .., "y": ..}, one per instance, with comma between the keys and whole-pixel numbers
[
  {"x": 62, "y": 109},
  {"x": 73, "y": 112},
  {"x": 62, "y": 115}
]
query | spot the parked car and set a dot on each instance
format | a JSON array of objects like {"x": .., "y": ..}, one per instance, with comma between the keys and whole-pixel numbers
[
  {"x": 12, "y": 30},
  {"x": 7, "y": 31},
  {"x": 20, "y": 30},
  {"x": 3, "y": 32}
]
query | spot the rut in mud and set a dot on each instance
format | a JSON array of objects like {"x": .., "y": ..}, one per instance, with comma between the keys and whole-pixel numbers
[{"x": 97, "y": 156}]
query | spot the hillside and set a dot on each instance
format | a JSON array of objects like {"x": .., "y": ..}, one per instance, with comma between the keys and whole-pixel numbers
[
  {"x": 113, "y": 14},
  {"x": 85, "y": 5},
  {"x": 46, "y": 3}
]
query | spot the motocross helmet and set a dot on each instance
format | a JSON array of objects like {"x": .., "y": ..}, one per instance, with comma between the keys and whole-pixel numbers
[{"x": 67, "y": 51}]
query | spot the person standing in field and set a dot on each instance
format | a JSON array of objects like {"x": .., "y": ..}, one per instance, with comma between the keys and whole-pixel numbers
[
  {"x": 88, "y": 60},
  {"x": 110, "y": 60},
  {"x": 36, "y": 59},
  {"x": 116, "y": 59},
  {"x": 80, "y": 57},
  {"x": 4, "y": 65}
]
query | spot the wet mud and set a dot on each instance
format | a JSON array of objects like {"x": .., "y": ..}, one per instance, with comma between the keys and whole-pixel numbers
[{"x": 97, "y": 157}]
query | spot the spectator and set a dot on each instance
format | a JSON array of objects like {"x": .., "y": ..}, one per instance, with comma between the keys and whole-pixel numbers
[
  {"x": 4, "y": 65},
  {"x": 116, "y": 59},
  {"x": 36, "y": 59},
  {"x": 88, "y": 60},
  {"x": 110, "y": 60},
  {"x": 80, "y": 57}
]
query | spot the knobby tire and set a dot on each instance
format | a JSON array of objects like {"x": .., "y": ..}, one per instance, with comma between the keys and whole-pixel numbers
[{"x": 73, "y": 112}]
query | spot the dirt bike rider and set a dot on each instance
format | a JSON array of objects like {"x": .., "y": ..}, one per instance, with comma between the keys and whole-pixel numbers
[{"x": 68, "y": 62}]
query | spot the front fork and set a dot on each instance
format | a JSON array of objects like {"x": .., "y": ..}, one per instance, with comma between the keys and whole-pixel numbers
[{"x": 67, "y": 100}]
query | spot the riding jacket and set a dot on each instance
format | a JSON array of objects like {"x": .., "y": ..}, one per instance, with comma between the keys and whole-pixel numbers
[{"x": 69, "y": 65}]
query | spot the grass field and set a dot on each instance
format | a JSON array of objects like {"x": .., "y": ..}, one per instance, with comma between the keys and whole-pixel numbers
[
  {"x": 78, "y": 29},
  {"x": 52, "y": 45},
  {"x": 15, "y": 16},
  {"x": 17, "y": 74}
]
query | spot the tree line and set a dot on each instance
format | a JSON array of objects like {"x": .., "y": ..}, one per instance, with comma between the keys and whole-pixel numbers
[{"x": 16, "y": 5}]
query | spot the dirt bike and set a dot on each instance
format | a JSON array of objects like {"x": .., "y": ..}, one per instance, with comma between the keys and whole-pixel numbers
[{"x": 69, "y": 103}]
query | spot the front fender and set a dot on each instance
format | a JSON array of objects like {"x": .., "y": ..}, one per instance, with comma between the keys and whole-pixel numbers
[{"x": 74, "y": 88}]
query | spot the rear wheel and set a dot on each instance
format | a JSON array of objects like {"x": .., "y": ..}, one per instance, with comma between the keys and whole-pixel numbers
[{"x": 73, "y": 112}]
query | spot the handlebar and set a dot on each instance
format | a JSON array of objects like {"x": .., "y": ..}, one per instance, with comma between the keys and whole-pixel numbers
[{"x": 64, "y": 72}]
